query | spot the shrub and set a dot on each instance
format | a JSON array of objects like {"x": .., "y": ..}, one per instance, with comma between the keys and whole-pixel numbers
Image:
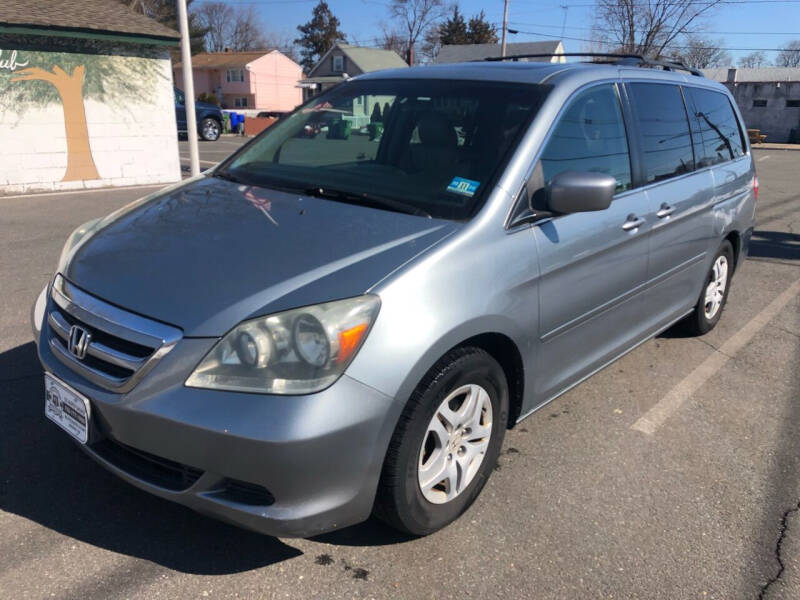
[
  {"x": 376, "y": 114},
  {"x": 208, "y": 98}
]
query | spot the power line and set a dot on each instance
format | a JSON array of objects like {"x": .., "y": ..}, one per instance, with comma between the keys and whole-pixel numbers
[
  {"x": 547, "y": 35},
  {"x": 797, "y": 33},
  {"x": 706, "y": 2},
  {"x": 267, "y": 2}
]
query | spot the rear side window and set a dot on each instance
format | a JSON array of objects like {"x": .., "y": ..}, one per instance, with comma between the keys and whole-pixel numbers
[
  {"x": 716, "y": 130},
  {"x": 666, "y": 142},
  {"x": 590, "y": 136}
]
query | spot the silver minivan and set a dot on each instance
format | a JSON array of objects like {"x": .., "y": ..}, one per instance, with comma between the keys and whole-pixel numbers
[{"x": 328, "y": 326}]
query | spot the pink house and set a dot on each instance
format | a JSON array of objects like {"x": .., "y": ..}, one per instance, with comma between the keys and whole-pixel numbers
[{"x": 261, "y": 80}]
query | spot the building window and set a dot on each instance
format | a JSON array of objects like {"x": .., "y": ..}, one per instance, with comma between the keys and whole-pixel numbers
[
  {"x": 338, "y": 64},
  {"x": 240, "y": 102},
  {"x": 759, "y": 103},
  {"x": 793, "y": 104},
  {"x": 235, "y": 75}
]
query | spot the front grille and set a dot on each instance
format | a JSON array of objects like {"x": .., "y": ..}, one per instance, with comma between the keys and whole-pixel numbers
[
  {"x": 109, "y": 346},
  {"x": 150, "y": 468}
]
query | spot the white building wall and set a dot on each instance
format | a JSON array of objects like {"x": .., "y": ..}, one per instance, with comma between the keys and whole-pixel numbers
[{"x": 133, "y": 137}]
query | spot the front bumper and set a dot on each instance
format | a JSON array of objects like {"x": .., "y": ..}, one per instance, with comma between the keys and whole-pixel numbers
[{"x": 317, "y": 457}]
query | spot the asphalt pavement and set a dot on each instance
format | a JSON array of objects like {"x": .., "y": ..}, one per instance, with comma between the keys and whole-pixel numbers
[
  {"x": 210, "y": 152},
  {"x": 582, "y": 504}
]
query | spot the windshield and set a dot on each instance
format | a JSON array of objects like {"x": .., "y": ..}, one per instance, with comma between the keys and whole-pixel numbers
[{"x": 431, "y": 145}]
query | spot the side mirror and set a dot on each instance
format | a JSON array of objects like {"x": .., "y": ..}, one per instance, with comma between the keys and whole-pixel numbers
[{"x": 579, "y": 191}]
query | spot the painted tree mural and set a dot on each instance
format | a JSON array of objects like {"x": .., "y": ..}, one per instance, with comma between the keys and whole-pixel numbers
[{"x": 113, "y": 75}]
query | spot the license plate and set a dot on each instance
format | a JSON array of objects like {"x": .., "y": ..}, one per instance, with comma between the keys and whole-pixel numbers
[{"x": 67, "y": 408}]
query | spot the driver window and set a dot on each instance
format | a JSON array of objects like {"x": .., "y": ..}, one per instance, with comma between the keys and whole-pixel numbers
[{"x": 590, "y": 136}]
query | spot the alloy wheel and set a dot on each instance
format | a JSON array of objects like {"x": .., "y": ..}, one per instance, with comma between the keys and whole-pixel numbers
[
  {"x": 455, "y": 443},
  {"x": 715, "y": 290},
  {"x": 211, "y": 130}
]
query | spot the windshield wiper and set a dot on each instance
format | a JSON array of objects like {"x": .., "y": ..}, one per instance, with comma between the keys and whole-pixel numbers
[
  {"x": 364, "y": 198},
  {"x": 227, "y": 176},
  {"x": 261, "y": 182}
]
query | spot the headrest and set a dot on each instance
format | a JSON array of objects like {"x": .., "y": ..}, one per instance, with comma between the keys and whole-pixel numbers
[{"x": 436, "y": 130}]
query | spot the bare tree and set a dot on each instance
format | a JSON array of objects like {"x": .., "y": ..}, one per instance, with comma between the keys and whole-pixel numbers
[
  {"x": 392, "y": 40},
  {"x": 789, "y": 56},
  {"x": 702, "y": 53},
  {"x": 431, "y": 44},
  {"x": 166, "y": 12},
  {"x": 236, "y": 28},
  {"x": 647, "y": 27},
  {"x": 217, "y": 18},
  {"x": 247, "y": 32},
  {"x": 415, "y": 18},
  {"x": 753, "y": 60},
  {"x": 283, "y": 42}
]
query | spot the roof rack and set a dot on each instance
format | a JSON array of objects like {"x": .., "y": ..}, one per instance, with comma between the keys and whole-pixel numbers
[{"x": 635, "y": 60}]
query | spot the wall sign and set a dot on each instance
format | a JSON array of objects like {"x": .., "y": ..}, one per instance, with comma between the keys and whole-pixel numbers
[{"x": 9, "y": 61}]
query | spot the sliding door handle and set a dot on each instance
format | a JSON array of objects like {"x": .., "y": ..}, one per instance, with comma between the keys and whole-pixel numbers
[
  {"x": 633, "y": 222},
  {"x": 665, "y": 211}
]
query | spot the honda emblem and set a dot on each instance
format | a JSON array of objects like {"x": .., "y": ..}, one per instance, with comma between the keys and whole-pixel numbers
[{"x": 79, "y": 340}]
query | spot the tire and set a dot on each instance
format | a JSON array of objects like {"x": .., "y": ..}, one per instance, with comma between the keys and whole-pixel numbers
[
  {"x": 210, "y": 129},
  {"x": 707, "y": 313},
  {"x": 415, "y": 451}
]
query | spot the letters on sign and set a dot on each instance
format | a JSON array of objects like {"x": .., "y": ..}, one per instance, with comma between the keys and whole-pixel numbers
[{"x": 9, "y": 62}]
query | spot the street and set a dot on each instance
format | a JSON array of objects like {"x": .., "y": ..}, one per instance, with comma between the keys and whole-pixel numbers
[
  {"x": 672, "y": 474},
  {"x": 210, "y": 152}
]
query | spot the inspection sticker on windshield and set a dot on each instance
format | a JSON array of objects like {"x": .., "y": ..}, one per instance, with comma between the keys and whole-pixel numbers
[{"x": 465, "y": 187}]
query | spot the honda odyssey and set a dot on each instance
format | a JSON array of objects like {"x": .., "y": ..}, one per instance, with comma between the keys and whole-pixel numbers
[{"x": 325, "y": 327}]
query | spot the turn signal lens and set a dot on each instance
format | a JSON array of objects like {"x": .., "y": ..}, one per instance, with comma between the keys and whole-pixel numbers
[
  {"x": 349, "y": 341},
  {"x": 755, "y": 187}
]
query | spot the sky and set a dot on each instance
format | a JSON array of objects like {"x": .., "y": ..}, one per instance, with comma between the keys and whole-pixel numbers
[{"x": 739, "y": 25}]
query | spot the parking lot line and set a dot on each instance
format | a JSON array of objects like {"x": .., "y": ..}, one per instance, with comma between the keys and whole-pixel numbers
[
  {"x": 762, "y": 158},
  {"x": 669, "y": 404},
  {"x": 87, "y": 191},
  {"x": 203, "y": 162}
]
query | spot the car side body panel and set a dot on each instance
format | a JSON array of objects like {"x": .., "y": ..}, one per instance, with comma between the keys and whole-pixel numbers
[{"x": 479, "y": 281}]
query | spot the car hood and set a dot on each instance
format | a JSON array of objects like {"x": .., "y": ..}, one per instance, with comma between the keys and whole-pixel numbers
[
  {"x": 210, "y": 253},
  {"x": 205, "y": 106}
]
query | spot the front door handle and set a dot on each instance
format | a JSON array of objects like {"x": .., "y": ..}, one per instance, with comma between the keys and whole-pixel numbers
[
  {"x": 665, "y": 210},
  {"x": 632, "y": 222}
]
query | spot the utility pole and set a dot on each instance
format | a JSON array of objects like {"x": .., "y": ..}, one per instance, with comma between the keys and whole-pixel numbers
[
  {"x": 188, "y": 88},
  {"x": 505, "y": 29}
]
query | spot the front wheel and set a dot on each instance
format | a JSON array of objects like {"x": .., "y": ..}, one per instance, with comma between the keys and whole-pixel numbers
[
  {"x": 210, "y": 129},
  {"x": 446, "y": 443},
  {"x": 714, "y": 294}
]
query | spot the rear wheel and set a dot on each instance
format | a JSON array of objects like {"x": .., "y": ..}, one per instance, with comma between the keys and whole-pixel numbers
[
  {"x": 210, "y": 129},
  {"x": 446, "y": 443},
  {"x": 714, "y": 294}
]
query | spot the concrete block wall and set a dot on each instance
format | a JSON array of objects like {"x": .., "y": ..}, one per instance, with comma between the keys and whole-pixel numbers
[{"x": 775, "y": 120}]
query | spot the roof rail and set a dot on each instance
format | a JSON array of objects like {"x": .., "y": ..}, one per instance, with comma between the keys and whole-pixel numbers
[
  {"x": 667, "y": 65},
  {"x": 635, "y": 60}
]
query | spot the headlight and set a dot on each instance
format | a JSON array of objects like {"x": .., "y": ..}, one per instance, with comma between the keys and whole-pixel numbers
[
  {"x": 72, "y": 241},
  {"x": 298, "y": 351}
]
